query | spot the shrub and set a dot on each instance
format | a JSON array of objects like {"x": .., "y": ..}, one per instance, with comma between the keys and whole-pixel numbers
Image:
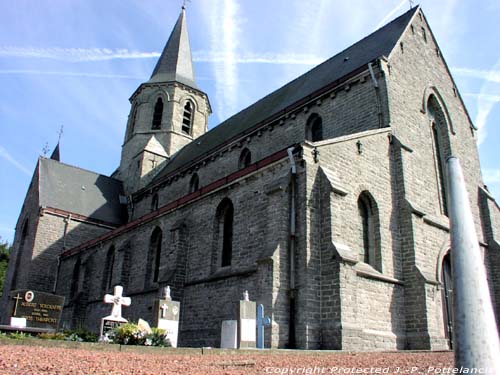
[
  {"x": 130, "y": 334},
  {"x": 18, "y": 335},
  {"x": 80, "y": 335},
  {"x": 159, "y": 338},
  {"x": 52, "y": 336}
]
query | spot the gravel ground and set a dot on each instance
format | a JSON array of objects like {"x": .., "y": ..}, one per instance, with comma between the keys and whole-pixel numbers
[{"x": 20, "y": 359}]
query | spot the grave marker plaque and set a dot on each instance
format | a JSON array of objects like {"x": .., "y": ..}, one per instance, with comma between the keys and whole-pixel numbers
[
  {"x": 41, "y": 310},
  {"x": 110, "y": 322},
  {"x": 167, "y": 316}
]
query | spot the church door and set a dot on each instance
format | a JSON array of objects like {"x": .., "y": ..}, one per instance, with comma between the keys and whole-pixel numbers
[{"x": 448, "y": 298}]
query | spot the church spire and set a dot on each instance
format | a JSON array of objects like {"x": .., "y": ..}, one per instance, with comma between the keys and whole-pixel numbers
[{"x": 175, "y": 63}]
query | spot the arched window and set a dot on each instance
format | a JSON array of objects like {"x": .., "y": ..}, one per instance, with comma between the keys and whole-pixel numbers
[
  {"x": 157, "y": 115},
  {"x": 20, "y": 251},
  {"x": 194, "y": 183},
  {"x": 132, "y": 123},
  {"x": 245, "y": 158},
  {"x": 225, "y": 214},
  {"x": 187, "y": 118},
  {"x": 107, "y": 276},
  {"x": 75, "y": 280},
  {"x": 314, "y": 128},
  {"x": 369, "y": 231},
  {"x": 441, "y": 148},
  {"x": 155, "y": 254},
  {"x": 154, "y": 202}
]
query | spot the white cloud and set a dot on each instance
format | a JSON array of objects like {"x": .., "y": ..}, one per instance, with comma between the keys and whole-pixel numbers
[
  {"x": 75, "y": 54},
  {"x": 391, "y": 14},
  {"x": 491, "y": 176},
  {"x": 224, "y": 29},
  {"x": 224, "y": 55},
  {"x": 5, "y": 155},
  {"x": 258, "y": 58},
  {"x": 70, "y": 74},
  {"x": 486, "y": 75}
]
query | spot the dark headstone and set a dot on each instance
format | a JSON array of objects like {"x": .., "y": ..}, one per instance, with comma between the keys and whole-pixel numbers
[{"x": 41, "y": 310}]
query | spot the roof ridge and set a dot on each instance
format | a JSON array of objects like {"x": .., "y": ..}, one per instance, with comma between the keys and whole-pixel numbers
[{"x": 76, "y": 167}]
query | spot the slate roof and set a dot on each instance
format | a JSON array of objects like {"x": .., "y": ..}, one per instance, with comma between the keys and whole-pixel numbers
[
  {"x": 79, "y": 191},
  {"x": 175, "y": 62},
  {"x": 378, "y": 44}
]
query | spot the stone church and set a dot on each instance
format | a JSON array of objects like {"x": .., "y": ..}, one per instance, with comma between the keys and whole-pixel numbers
[{"x": 326, "y": 200}]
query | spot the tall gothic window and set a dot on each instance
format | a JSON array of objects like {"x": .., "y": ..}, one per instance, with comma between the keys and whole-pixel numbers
[
  {"x": 225, "y": 214},
  {"x": 245, "y": 158},
  {"x": 157, "y": 115},
  {"x": 20, "y": 251},
  {"x": 187, "y": 118},
  {"x": 369, "y": 231},
  {"x": 438, "y": 152},
  {"x": 75, "y": 280},
  {"x": 441, "y": 148},
  {"x": 314, "y": 128},
  {"x": 107, "y": 276},
  {"x": 194, "y": 183},
  {"x": 155, "y": 254}
]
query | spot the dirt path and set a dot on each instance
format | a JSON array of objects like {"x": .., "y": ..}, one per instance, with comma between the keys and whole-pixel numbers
[{"x": 20, "y": 359}]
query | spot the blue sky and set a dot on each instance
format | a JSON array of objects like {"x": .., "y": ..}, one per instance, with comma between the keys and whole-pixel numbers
[{"x": 76, "y": 63}]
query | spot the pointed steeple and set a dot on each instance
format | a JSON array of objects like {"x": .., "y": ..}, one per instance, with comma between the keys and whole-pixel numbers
[{"x": 175, "y": 63}]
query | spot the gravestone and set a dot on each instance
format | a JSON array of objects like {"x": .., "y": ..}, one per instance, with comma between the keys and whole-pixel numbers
[
  {"x": 247, "y": 323},
  {"x": 33, "y": 309},
  {"x": 167, "y": 316},
  {"x": 110, "y": 322},
  {"x": 229, "y": 334}
]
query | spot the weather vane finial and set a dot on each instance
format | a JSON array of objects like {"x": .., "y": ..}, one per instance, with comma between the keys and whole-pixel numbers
[
  {"x": 184, "y": 3},
  {"x": 60, "y": 133},
  {"x": 46, "y": 149},
  {"x": 411, "y": 3}
]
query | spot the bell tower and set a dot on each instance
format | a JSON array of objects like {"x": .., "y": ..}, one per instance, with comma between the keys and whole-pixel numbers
[{"x": 167, "y": 112}]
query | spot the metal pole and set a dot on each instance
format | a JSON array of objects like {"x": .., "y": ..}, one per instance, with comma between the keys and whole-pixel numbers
[{"x": 476, "y": 334}]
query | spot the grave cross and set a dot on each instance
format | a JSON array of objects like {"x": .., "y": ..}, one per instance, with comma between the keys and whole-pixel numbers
[
  {"x": 117, "y": 300},
  {"x": 17, "y": 298},
  {"x": 164, "y": 309},
  {"x": 262, "y": 321}
]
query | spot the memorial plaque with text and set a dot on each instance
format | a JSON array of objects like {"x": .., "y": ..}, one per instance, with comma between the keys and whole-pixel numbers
[{"x": 41, "y": 310}]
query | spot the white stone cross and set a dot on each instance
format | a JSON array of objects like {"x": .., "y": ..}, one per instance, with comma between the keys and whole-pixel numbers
[
  {"x": 117, "y": 300},
  {"x": 164, "y": 309}
]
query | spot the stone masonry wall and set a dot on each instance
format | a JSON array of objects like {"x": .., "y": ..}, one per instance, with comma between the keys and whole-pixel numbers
[
  {"x": 17, "y": 276},
  {"x": 208, "y": 295},
  {"x": 415, "y": 71},
  {"x": 359, "y": 308}
]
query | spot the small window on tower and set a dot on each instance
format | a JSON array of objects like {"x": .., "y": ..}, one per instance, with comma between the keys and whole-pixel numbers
[
  {"x": 187, "y": 118},
  {"x": 157, "y": 115}
]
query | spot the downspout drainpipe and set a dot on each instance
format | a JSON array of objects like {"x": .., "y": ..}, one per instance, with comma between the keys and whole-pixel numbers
[
  {"x": 58, "y": 270},
  {"x": 293, "y": 182},
  {"x": 377, "y": 94}
]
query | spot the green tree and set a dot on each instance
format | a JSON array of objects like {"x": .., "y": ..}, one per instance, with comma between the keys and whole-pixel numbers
[{"x": 4, "y": 261}]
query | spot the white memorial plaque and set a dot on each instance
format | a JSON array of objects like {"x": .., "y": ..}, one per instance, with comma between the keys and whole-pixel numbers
[
  {"x": 248, "y": 330},
  {"x": 18, "y": 322},
  {"x": 171, "y": 328},
  {"x": 229, "y": 334}
]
